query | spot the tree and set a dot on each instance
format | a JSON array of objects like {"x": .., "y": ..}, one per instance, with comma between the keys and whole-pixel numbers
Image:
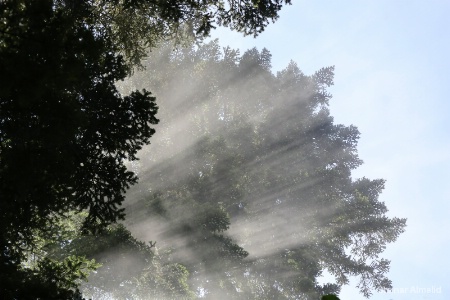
[
  {"x": 136, "y": 25},
  {"x": 251, "y": 163},
  {"x": 65, "y": 130},
  {"x": 124, "y": 268}
]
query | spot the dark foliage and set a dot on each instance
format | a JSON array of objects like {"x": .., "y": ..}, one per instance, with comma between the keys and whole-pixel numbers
[{"x": 65, "y": 130}]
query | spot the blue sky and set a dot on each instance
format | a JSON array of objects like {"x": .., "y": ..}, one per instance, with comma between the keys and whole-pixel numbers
[{"x": 393, "y": 82}]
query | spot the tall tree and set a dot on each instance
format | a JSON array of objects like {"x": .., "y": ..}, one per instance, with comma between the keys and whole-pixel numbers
[
  {"x": 253, "y": 179},
  {"x": 65, "y": 130}
]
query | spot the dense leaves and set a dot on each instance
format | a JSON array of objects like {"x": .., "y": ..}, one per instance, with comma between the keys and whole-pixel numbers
[
  {"x": 65, "y": 130},
  {"x": 134, "y": 26},
  {"x": 125, "y": 266},
  {"x": 252, "y": 179}
]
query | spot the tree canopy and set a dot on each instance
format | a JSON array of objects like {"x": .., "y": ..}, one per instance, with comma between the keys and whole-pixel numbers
[
  {"x": 252, "y": 179},
  {"x": 65, "y": 130},
  {"x": 246, "y": 188}
]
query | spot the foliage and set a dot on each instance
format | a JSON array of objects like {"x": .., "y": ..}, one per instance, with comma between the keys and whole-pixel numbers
[
  {"x": 136, "y": 25},
  {"x": 125, "y": 266},
  {"x": 117, "y": 264},
  {"x": 252, "y": 179},
  {"x": 65, "y": 130},
  {"x": 48, "y": 279}
]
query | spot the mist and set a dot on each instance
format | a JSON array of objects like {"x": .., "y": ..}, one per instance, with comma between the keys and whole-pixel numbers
[{"x": 247, "y": 181}]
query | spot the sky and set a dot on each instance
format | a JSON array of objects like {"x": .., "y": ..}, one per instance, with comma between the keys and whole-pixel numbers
[{"x": 392, "y": 80}]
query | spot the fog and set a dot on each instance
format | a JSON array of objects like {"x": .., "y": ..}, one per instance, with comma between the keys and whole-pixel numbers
[{"x": 247, "y": 180}]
